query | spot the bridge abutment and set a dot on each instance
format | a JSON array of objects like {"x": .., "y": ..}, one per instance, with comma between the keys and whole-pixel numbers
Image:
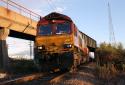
[{"x": 4, "y": 59}]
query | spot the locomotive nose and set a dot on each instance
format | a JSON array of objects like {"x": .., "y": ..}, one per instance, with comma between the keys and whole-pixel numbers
[{"x": 55, "y": 43}]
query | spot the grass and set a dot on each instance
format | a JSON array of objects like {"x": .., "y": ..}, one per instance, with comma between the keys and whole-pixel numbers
[
  {"x": 106, "y": 71},
  {"x": 22, "y": 66}
]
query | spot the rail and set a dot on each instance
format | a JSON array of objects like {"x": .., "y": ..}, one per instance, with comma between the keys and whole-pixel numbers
[
  {"x": 20, "y": 9},
  {"x": 38, "y": 77},
  {"x": 22, "y": 79}
]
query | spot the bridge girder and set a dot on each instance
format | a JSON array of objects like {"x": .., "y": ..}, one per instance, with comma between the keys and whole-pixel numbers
[{"x": 17, "y": 22}]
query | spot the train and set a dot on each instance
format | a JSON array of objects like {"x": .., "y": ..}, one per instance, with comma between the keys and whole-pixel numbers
[{"x": 60, "y": 45}]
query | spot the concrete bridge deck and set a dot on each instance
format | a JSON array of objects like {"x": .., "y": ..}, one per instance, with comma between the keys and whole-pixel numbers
[{"x": 17, "y": 22}]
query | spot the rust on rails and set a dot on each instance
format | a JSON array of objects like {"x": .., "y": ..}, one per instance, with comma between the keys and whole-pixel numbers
[
  {"x": 46, "y": 79},
  {"x": 22, "y": 79},
  {"x": 58, "y": 78}
]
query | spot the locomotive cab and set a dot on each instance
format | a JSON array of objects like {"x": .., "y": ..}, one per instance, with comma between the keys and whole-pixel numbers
[{"x": 54, "y": 37}]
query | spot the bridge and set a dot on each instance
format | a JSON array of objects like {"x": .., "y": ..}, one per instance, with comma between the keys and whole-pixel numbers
[{"x": 15, "y": 24}]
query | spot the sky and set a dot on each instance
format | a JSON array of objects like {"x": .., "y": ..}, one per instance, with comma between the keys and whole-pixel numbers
[{"x": 90, "y": 16}]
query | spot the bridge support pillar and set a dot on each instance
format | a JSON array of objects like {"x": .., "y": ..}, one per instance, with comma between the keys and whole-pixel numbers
[{"x": 4, "y": 32}]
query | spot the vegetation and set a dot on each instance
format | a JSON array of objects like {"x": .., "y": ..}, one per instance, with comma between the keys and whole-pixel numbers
[
  {"x": 110, "y": 60},
  {"x": 22, "y": 66}
]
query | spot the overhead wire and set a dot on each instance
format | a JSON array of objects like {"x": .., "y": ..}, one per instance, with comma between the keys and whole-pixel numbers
[{"x": 52, "y": 5}]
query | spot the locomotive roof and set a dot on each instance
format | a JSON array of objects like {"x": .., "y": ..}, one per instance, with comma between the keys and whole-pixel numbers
[{"x": 57, "y": 16}]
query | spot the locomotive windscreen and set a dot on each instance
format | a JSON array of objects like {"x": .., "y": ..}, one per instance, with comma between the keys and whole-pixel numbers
[
  {"x": 45, "y": 30},
  {"x": 56, "y": 28},
  {"x": 63, "y": 28}
]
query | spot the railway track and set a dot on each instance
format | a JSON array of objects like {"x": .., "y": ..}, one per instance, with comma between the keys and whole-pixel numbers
[
  {"x": 46, "y": 79},
  {"x": 32, "y": 79},
  {"x": 23, "y": 79}
]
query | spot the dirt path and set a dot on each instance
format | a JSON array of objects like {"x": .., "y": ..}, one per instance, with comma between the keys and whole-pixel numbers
[{"x": 86, "y": 76}]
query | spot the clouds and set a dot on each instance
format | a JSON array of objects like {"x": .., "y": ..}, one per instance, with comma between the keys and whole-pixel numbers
[
  {"x": 43, "y": 7},
  {"x": 16, "y": 45},
  {"x": 60, "y": 9},
  {"x": 49, "y": 6}
]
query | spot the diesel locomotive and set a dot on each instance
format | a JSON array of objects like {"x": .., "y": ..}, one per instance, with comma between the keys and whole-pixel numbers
[{"x": 59, "y": 44}]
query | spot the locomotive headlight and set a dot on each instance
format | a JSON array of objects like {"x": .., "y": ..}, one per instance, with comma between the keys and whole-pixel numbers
[
  {"x": 67, "y": 46},
  {"x": 40, "y": 47}
]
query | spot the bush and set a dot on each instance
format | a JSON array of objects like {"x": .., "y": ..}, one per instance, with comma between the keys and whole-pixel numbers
[
  {"x": 106, "y": 53},
  {"x": 110, "y": 59}
]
